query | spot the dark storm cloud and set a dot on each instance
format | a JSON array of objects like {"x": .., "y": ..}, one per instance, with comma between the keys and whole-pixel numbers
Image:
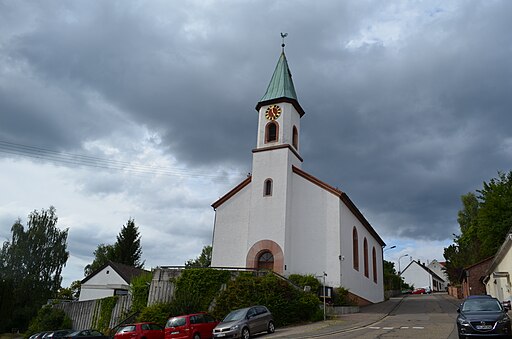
[{"x": 403, "y": 122}]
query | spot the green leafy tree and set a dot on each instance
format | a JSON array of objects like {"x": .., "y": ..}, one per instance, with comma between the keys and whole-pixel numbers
[
  {"x": 495, "y": 213},
  {"x": 102, "y": 255},
  {"x": 32, "y": 261},
  {"x": 204, "y": 259},
  {"x": 47, "y": 319},
  {"x": 484, "y": 222}
]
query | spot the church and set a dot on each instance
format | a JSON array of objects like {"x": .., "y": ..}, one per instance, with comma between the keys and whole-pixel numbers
[{"x": 284, "y": 219}]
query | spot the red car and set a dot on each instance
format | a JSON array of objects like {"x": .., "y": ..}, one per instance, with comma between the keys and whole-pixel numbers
[
  {"x": 419, "y": 291},
  {"x": 191, "y": 326},
  {"x": 140, "y": 331}
]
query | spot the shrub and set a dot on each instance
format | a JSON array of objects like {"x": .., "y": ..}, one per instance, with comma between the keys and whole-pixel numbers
[
  {"x": 158, "y": 313},
  {"x": 139, "y": 288},
  {"x": 287, "y": 303},
  {"x": 47, "y": 319},
  {"x": 305, "y": 280},
  {"x": 341, "y": 297}
]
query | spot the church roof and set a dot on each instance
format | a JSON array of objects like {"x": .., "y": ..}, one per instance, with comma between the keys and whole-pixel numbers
[{"x": 281, "y": 87}]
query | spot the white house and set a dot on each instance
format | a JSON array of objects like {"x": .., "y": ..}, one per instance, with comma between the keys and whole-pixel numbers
[
  {"x": 283, "y": 218},
  {"x": 438, "y": 268},
  {"x": 420, "y": 276},
  {"x": 109, "y": 280},
  {"x": 497, "y": 281}
]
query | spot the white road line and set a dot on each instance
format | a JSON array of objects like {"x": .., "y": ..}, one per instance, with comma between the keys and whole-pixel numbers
[
  {"x": 418, "y": 327},
  {"x": 404, "y": 327},
  {"x": 374, "y": 327},
  {"x": 387, "y": 328}
]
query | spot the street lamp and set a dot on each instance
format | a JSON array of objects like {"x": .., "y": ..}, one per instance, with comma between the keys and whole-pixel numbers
[
  {"x": 387, "y": 249},
  {"x": 400, "y": 271}
]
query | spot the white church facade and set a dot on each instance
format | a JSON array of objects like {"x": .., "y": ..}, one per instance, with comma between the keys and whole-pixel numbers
[{"x": 284, "y": 219}]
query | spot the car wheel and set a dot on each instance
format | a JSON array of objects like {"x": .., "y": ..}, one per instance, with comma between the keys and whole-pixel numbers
[
  {"x": 245, "y": 333},
  {"x": 197, "y": 336},
  {"x": 271, "y": 328}
]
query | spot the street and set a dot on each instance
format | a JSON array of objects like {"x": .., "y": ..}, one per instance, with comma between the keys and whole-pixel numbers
[{"x": 417, "y": 316}]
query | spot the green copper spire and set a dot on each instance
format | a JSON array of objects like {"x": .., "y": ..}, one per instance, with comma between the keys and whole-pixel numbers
[
  {"x": 281, "y": 87},
  {"x": 281, "y": 84}
]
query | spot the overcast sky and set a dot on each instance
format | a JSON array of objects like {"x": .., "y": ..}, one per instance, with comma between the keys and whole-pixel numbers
[{"x": 111, "y": 110}]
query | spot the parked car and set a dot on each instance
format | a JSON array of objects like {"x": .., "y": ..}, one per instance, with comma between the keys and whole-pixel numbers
[
  {"x": 86, "y": 334},
  {"x": 244, "y": 322},
  {"x": 146, "y": 330},
  {"x": 419, "y": 291},
  {"x": 57, "y": 334},
  {"x": 190, "y": 326},
  {"x": 482, "y": 317},
  {"x": 506, "y": 305}
]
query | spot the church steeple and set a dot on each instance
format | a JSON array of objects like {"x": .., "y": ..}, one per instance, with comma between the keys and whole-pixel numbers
[{"x": 280, "y": 88}]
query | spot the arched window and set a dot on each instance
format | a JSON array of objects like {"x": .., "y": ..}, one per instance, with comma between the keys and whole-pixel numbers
[
  {"x": 295, "y": 138},
  {"x": 374, "y": 264},
  {"x": 267, "y": 188},
  {"x": 365, "y": 249},
  {"x": 355, "y": 249},
  {"x": 271, "y": 132},
  {"x": 266, "y": 261}
]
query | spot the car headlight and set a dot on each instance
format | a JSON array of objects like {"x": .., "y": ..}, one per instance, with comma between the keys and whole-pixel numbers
[
  {"x": 236, "y": 327},
  {"x": 463, "y": 322}
]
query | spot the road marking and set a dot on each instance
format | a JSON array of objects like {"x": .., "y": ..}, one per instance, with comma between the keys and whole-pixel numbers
[
  {"x": 401, "y": 328},
  {"x": 375, "y": 327},
  {"x": 404, "y": 327},
  {"x": 418, "y": 327},
  {"x": 387, "y": 328}
]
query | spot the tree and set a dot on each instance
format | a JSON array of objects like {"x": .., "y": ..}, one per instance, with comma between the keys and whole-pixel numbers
[
  {"x": 31, "y": 262},
  {"x": 204, "y": 259},
  {"x": 126, "y": 250},
  {"x": 484, "y": 222},
  {"x": 102, "y": 255},
  {"x": 495, "y": 213}
]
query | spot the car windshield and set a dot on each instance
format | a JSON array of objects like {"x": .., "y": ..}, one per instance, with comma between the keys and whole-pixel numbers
[
  {"x": 176, "y": 321},
  {"x": 481, "y": 305},
  {"x": 235, "y": 315}
]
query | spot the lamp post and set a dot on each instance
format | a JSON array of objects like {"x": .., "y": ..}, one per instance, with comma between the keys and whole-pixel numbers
[
  {"x": 387, "y": 249},
  {"x": 325, "y": 274},
  {"x": 400, "y": 271}
]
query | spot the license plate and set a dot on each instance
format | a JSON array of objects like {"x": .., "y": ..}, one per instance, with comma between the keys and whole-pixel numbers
[
  {"x": 484, "y": 327},
  {"x": 221, "y": 335},
  {"x": 175, "y": 332}
]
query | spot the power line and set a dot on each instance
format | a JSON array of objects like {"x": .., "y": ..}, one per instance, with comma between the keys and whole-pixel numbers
[{"x": 91, "y": 161}]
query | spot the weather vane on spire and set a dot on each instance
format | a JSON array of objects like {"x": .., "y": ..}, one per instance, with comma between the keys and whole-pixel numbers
[{"x": 283, "y": 35}]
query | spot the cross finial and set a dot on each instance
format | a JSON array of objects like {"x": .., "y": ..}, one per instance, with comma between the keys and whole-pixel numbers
[{"x": 283, "y": 35}]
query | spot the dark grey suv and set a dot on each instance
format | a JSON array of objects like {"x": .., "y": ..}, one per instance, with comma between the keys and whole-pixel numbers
[{"x": 244, "y": 322}]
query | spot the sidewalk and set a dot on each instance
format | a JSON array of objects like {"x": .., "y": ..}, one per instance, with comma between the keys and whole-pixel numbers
[{"x": 343, "y": 323}]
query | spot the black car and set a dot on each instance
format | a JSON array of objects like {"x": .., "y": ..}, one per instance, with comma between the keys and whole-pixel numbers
[
  {"x": 86, "y": 334},
  {"x": 482, "y": 317}
]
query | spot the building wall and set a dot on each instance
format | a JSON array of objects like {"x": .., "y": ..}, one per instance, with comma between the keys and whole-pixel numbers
[
  {"x": 500, "y": 286},
  {"x": 437, "y": 268},
  {"x": 102, "y": 285},
  {"x": 416, "y": 275},
  {"x": 472, "y": 284},
  {"x": 351, "y": 278},
  {"x": 231, "y": 229}
]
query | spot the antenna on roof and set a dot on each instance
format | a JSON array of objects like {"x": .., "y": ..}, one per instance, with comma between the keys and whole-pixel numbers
[{"x": 283, "y": 35}]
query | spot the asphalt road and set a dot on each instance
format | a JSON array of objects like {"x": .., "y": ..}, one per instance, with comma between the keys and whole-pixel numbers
[{"x": 417, "y": 316}]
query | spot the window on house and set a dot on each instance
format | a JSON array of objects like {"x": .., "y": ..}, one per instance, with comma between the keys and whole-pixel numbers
[
  {"x": 365, "y": 249},
  {"x": 271, "y": 132},
  {"x": 295, "y": 138},
  {"x": 374, "y": 264},
  {"x": 355, "y": 249},
  {"x": 267, "y": 188}
]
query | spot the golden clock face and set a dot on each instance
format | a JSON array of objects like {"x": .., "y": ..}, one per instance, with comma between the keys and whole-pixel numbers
[{"x": 273, "y": 112}]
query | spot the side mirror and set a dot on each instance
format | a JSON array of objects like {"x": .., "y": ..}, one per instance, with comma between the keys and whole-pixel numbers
[{"x": 458, "y": 310}]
